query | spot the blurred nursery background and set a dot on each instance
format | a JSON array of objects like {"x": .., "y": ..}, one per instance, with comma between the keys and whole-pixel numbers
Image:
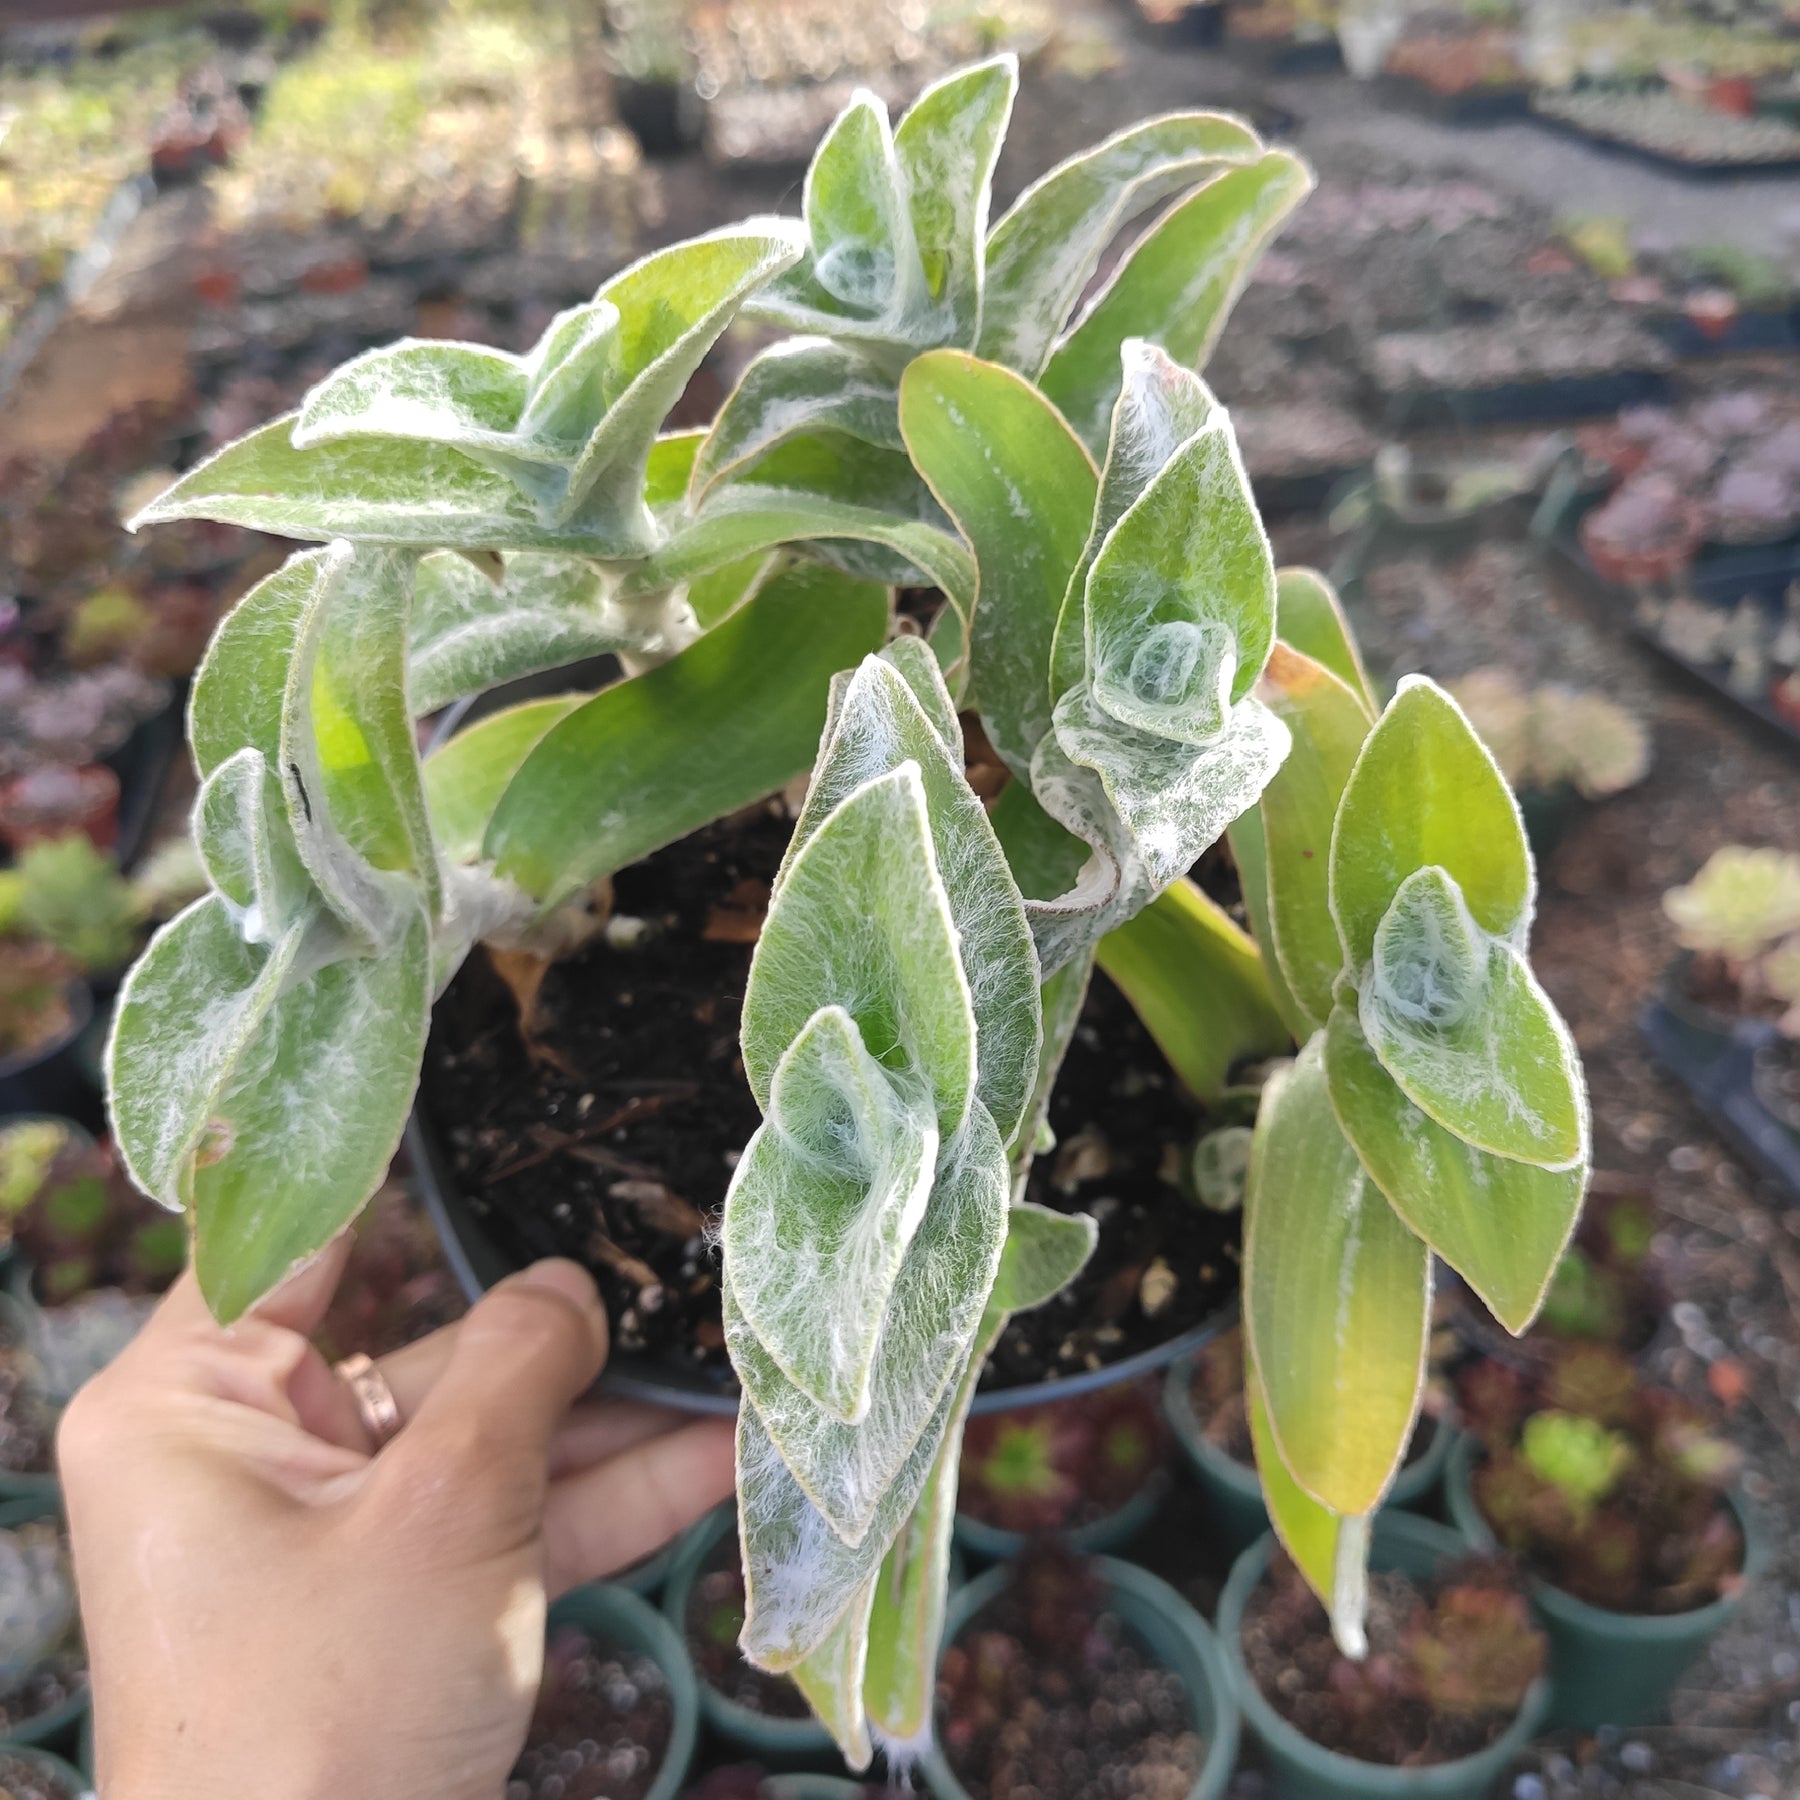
[{"x": 1523, "y": 375}]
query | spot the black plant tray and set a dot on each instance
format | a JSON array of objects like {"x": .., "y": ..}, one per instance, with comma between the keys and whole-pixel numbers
[
  {"x": 1474, "y": 107},
  {"x": 1531, "y": 402},
  {"x": 478, "y": 1263},
  {"x": 1200, "y": 25},
  {"x": 1661, "y": 160},
  {"x": 1715, "y": 1070},
  {"x": 142, "y": 764},
  {"x": 1722, "y": 577},
  {"x": 1749, "y": 331}
]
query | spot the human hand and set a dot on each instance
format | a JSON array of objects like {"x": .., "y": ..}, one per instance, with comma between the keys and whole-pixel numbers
[{"x": 272, "y": 1609}]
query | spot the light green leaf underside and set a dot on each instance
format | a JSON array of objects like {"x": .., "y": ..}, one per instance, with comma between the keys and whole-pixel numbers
[
  {"x": 347, "y": 728},
  {"x": 925, "y": 1329},
  {"x": 1176, "y": 287},
  {"x": 733, "y": 717},
  {"x": 467, "y": 634},
  {"x": 823, "y": 1206},
  {"x": 717, "y": 594},
  {"x": 1336, "y": 1298},
  {"x": 241, "y": 832},
  {"x": 891, "y": 958},
  {"x": 1320, "y": 1541},
  {"x": 1039, "y": 257},
  {"x": 1459, "y": 1021},
  {"x": 1021, "y": 489},
  {"x": 803, "y": 384},
  {"x": 1250, "y": 852},
  {"x": 1299, "y": 806},
  {"x": 1199, "y": 986},
  {"x": 895, "y": 708},
  {"x": 465, "y": 777},
  {"x": 1425, "y": 791},
  {"x": 302, "y": 1130},
  {"x": 1309, "y": 618},
  {"x": 184, "y": 1013},
  {"x": 1501, "y": 1225},
  {"x": 832, "y": 1679}
]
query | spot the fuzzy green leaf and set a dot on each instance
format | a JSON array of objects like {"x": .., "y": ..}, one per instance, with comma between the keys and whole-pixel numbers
[
  {"x": 1459, "y": 1021},
  {"x": 1426, "y": 792},
  {"x": 1199, "y": 986},
  {"x": 1499, "y": 1224},
  {"x": 733, "y": 717},
  {"x": 465, "y": 777},
  {"x": 891, "y": 958},
  {"x": 1042, "y": 253},
  {"x": 1021, "y": 490},
  {"x": 1177, "y": 286},
  {"x": 894, "y": 709},
  {"x": 832, "y": 1678},
  {"x": 1328, "y": 724},
  {"x": 823, "y": 1206},
  {"x": 469, "y": 633},
  {"x": 1250, "y": 852},
  {"x": 301, "y": 1131},
  {"x": 187, "y": 1008},
  {"x": 1310, "y": 618},
  {"x": 801, "y": 384},
  {"x": 1337, "y": 1298},
  {"x": 925, "y": 1324},
  {"x": 241, "y": 832}
]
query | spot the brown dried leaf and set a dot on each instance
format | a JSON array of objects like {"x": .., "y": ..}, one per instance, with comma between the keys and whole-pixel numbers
[{"x": 659, "y": 1207}]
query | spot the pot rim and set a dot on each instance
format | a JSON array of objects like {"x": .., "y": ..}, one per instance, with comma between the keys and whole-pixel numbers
[
  {"x": 81, "y": 1016},
  {"x": 1428, "y": 1779},
  {"x": 1141, "y": 1592},
  {"x": 1459, "y": 1494}
]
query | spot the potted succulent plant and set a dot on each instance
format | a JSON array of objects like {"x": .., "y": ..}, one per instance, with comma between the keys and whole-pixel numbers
[
  {"x": 1621, "y": 1501},
  {"x": 1087, "y": 1470},
  {"x": 44, "y": 1009},
  {"x": 1451, "y": 1689},
  {"x": 54, "y": 800},
  {"x": 1647, "y": 531},
  {"x": 704, "y": 1600},
  {"x": 617, "y": 1715},
  {"x": 1734, "y": 922},
  {"x": 1069, "y": 1675},
  {"x": 1109, "y": 627},
  {"x": 43, "y": 1668},
  {"x": 1206, "y": 1406}
]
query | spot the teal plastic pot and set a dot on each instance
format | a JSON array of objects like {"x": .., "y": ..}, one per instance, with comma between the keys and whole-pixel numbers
[
  {"x": 1303, "y": 1770},
  {"x": 1173, "y": 1633},
  {"x": 77, "y": 1785},
  {"x": 990, "y": 1543},
  {"x": 772, "y": 1740},
  {"x": 61, "y": 1723},
  {"x": 1231, "y": 1491},
  {"x": 1610, "y": 1668},
  {"x": 813, "y": 1787},
  {"x": 646, "y": 1576},
  {"x": 618, "y": 1617}
]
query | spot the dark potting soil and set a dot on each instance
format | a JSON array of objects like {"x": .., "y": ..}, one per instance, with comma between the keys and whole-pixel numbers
[
  {"x": 20, "y": 1780},
  {"x": 1045, "y": 1695},
  {"x": 602, "y": 1725},
  {"x": 613, "y": 1140},
  {"x": 715, "y": 1616},
  {"x": 746, "y": 1781},
  {"x": 1368, "y": 1710},
  {"x": 27, "y": 1425}
]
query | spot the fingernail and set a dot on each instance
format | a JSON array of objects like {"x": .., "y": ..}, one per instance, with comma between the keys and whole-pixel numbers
[{"x": 560, "y": 1276}]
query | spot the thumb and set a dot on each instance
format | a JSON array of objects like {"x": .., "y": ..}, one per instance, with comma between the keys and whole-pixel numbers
[{"x": 521, "y": 1357}]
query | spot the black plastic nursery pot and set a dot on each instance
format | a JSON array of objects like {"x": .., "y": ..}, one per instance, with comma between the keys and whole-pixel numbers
[
  {"x": 1611, "y": 1668},
  {"x": 1232, "y": 1492},
  {"x": 1531, "y": 402},
  {"x": 1662, "y": 161},
  {"x": 1477, "y": 106},
  {"x": 61, "y": 1725},
  {"x": 1197, "y": 25},
  {"x": 1750, "y": 331},
  {"x": 1286, "y": 56},
  {"x": 1165, "y": 1625},
  {"x": 50, "y": 1078},
  {"x": 1303, "y": 1770},
  {"x": 662, "y": 115},
  {"x": 611, "y": 1615},
  {"x": 764, "y": 1735}
]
